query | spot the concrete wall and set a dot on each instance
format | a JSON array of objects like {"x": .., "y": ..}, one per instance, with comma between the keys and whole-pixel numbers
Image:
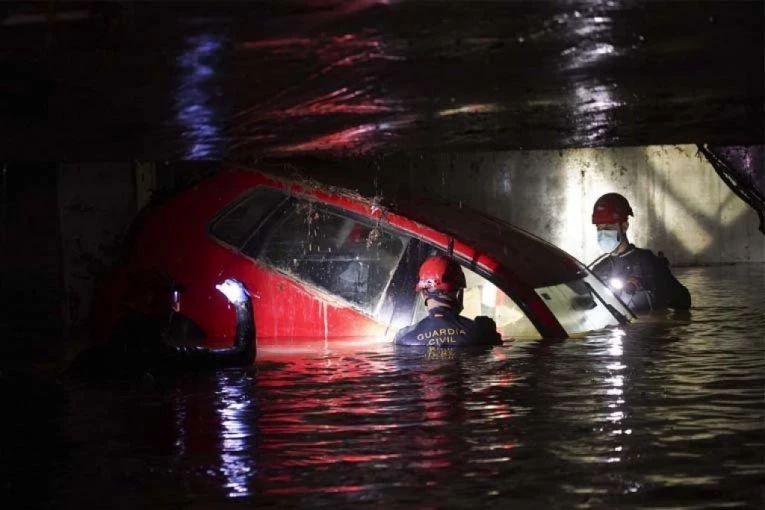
[
  {"x": 30, "y": 259},
  {"x": 97, "y": 202},
  {"x": 681, "y": 205}
]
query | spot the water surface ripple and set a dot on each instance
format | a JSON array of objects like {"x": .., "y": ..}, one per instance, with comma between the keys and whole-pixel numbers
[{"x": 657, "y": 415}]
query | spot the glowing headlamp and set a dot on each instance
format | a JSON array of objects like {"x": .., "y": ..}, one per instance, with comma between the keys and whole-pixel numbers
[{"x": 616, "y": 283}]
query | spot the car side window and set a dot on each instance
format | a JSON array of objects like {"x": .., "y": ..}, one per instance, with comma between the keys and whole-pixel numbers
[
  {"x": 347, "y": 256},
  {"x": 237, "y": 222}
]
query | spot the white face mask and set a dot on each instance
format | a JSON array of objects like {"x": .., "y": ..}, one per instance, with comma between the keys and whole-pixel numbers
[{"x": 608, "y": 240}]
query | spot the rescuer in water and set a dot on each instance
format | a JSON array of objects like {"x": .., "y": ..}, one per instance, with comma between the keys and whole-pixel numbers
[
  {"x": 641, "y": 279},
  {"x": 441, "y": 283},
  {"x": 138, "y": 345}
]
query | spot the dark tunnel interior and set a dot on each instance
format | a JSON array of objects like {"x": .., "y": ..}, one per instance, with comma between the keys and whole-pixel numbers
[
  {"x": 132, "y": 131},
  {"x": 121, "y": 80}
]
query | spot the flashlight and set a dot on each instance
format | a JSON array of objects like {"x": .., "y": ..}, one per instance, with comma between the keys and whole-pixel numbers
[
  {"x": 233, "y": 290},
  {"x": 176, "y": 300},
  {"x": 629, "y": 287}
]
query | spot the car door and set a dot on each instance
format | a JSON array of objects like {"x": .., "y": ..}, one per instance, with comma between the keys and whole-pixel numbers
[{"x": 317, "y": 272}]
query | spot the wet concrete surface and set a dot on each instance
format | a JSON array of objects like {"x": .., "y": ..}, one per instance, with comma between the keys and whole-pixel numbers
[
  {"x": 655, "y": 415},
  {"x": 238, "y": 80}
]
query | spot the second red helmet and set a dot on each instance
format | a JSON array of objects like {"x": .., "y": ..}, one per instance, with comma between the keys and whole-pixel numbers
[
  {"x": 440, "y": 273},
  {"x": 611, "y": 208}
]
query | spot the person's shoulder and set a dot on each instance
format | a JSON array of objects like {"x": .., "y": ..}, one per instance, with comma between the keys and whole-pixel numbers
[
  {"x": 648, "y": 254},
  {"x": 403, "y": 333},
  {"x": 465, "y": 321},
  {"x": 484, "y": 323},
  {"x": 485, "y": 329},
  {"x": 642, "y": 253},
  {"x": 600, "y": 262}
]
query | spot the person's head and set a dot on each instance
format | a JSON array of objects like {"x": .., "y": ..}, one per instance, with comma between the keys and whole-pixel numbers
[
  {"x": 610, "y": 216},
  {"x": 441, "y": 282}
]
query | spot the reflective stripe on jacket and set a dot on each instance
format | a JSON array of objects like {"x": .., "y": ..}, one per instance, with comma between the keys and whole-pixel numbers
[{"x": 444, "y": 328}]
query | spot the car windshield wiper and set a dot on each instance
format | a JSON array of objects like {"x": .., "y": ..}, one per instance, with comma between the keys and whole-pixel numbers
[{"x": 619, "y": 315}]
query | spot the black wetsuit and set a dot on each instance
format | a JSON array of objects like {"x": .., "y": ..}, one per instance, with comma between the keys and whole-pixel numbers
[
  {"x": 445, "y": 328},
  {"x": 660, "y": 289},
  {"x": 138, "y": 347}
]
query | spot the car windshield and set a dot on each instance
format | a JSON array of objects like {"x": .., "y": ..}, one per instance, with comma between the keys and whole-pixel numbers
[
  {"x": 532, "y": 259},
  {"x": 583, "y": 305},
  {"x": 579, "y": 301},
  {"x": 482, "y": 297},
  {"x": 580, "y": 306}
]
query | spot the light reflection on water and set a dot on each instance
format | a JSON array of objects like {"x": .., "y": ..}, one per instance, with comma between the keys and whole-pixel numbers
[
  {"x": 655, "y": 415},
  {"x": 198, "y": 65}
]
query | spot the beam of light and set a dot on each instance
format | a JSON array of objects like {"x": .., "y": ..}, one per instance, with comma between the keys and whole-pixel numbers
[{"x": 616, "y": 283}]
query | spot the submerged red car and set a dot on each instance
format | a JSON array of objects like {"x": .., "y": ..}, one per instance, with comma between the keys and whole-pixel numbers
[{"x": 325, "y": 265}]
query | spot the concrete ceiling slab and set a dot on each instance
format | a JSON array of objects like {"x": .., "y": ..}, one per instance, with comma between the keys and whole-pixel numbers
[{"x": 237, "y": 80}]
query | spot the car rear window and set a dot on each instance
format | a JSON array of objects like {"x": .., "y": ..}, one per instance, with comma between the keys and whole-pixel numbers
[{"x": 235, "y": 225}]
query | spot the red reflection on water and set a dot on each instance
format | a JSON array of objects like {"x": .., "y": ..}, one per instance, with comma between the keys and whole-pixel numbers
[
  {"x": 355, "y": 138},
  {"x": 305, "y": 417},
  {"x": 338, "y": 102},
  {"x": 342, "y": 78},
  {"x": 331, "y": 489}
]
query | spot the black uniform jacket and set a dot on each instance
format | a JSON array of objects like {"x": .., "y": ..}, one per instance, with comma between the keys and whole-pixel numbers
[
  {"x": 444, "y": 328},
  {"x": 660, "y": 289}
]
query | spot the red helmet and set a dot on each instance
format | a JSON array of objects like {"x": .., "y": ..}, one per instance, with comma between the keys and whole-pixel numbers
[
  {"x": 611, "y": 208},
  {"x": 441, "y": 273}
]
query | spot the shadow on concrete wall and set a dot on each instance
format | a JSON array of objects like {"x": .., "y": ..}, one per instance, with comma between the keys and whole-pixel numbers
[{"x": 723, "y": 241}]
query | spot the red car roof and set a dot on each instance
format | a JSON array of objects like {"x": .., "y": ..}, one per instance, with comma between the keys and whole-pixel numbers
[{"x": 531, "y": 259}]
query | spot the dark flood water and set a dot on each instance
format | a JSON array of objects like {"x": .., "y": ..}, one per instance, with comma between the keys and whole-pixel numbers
[{"x": 653, "y": 416}]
